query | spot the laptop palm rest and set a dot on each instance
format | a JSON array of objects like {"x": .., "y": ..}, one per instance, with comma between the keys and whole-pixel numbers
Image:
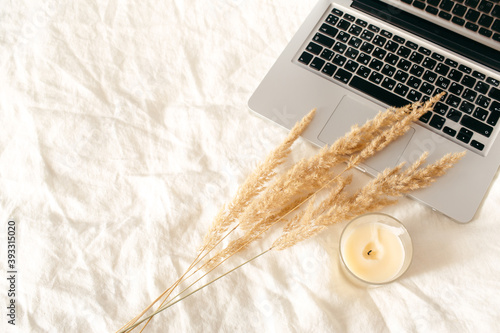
[{"x": 351, "y": 111}]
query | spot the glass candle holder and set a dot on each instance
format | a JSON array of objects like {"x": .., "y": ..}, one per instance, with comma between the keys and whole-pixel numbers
[{"x": 375, "y": 249}]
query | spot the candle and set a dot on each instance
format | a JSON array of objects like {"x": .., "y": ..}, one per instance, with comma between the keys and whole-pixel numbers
[{"x": 375, "y": 248}]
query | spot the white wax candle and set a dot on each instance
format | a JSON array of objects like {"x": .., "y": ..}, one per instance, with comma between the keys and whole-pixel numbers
[{"x": 374, "y": 251}]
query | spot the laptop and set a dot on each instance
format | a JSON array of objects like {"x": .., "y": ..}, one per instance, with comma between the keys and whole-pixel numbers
[{"x": 351, "y": 59}]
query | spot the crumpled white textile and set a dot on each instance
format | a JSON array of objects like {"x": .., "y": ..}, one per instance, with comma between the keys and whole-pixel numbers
[{"x": 125, "y": 127}]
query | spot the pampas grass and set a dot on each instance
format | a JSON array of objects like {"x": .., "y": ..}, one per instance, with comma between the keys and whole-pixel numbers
[{"x": 312, "y": 195}]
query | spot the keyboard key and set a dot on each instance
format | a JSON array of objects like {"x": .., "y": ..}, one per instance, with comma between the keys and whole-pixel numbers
[
  {"x": 403, "y": 51},
  {"x": 317, "y": 63},
  {"x": 343, "y": 24},
  {"x": 494, "y": 93},
  {"x": 495, "y": 106},
  {"x": 337, "y": 12},
  {"x": 376, "y": 77},
  {"x": 455, "y": 75},
  {"x": 437, "y": 121},
  {"x": 399, "y": 39},
  {"x": 485, "y": 6},
  {"x": 483, "y": 101},
  {"x": 388, "y": 83},
  {"x": 364, "y": 59},
  {"x": 459, "y": 10},
  {"x": 418, "y": 4},
  {"x": 367, "y": 47},
  {"x": 471, "y": 26},
  {"x": 437, "y": 56},
  {"x": 464, "y": 135},
  {"x": 339, "y": 60},
  {"x": 414, "y": 96},
  {"x": 361, "y": 23},
  {"x": 355, "y": 29},
  {"x": 453, "y": 101},
  {"x": 375, "y": 91},
  {"x": 466, "y": 107},
  {"x": 432, "y": 10},
  {"x": 323, "y": 40},
  {"x": 388, "y": 70},
  {"x": 444, "y": 15},
  {"x": 476, "y": 125},
  {"x": 429, "y": 76},
  {"x": 496, "y": 11},
  {"x": 351, "y": 66},
  {"x": 426, "y": 88},
  {"x": 351, "y": 53},
  {"x": 327, "y": 54},
  {"x": 367, "y": 35},
  {"x": 342, "y": 75},
  {"x": 404, "y": 64},
  {"x": 343, "y": 36},
  {"x": 476, "y": 144},
  {"x": 442, "y": 69},
  {"x": 374, "y": 28},
  {"x": 376, "y": 64},
  {"x": 493, "y": 118},
  {"x": 364, "y": 71},
  {"x": 449, "y": 131},
  {"x": 472, "y": 15},
  {"x": 391, "y": 46},
  {"x": 306, "y": 58},
  {"x": 429, "y": 63},
  {"x": 485, "y": 21},
  {"x": 451, "y": 63},
  {"x": 414, "y": 82},
  {"x": 496, "y": 25},
  {"x": 425, "y": 117},
  {"x": 440, "y": 108},
  {"x": 456, "y": 88},
  {"x": 492, "y": 81},
  {"x": 339, "y": 47},
  {"x": 379, "y": 53},
  {"x": 442, "y": 82},
  {"x": 401, "y": 89},
  {"x": 416, "y": 70},
  {"x": 468, "y": 81},
  {"x": 332, "y": 19},
  {"x": 416, "y": 57},
  {"x": 386, "y": 34},
  {"x": 328, "y": 30},
  {"x": 314, "y": 48},
  {"x": 458, "y": 20},
  {"x": 465, "y": 69},
  {"x": 480, "y": 114},
  {"x": 349, "y": 17},
  {"x": 329, "y": 69},
  {"x": 401, "y": 76},
  {"x": 446, "y": 5},
  {"x": 411, "y": 45},
  {"x": 355, "y": 42},
  {"x": 478, "y": 75},
  {"x": 454, "y": 115},
  {"x": 392, "y": 59},
  {"x": 469, "y": 95}
]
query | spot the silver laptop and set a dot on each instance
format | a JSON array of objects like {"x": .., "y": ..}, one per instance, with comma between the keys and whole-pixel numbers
[{"x": 351, "y": 59}]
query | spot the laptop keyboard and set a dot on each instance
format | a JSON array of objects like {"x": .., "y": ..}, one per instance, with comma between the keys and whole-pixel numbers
[
  {"x": 481, "y": 16},
  {"x": 397, "y": 71}
]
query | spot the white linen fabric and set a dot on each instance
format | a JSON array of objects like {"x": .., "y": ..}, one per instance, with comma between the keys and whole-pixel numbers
[{"x": 125, "y": 127}]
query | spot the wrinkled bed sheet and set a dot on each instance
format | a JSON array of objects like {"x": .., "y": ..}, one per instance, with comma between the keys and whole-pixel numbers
[{"x": 125, "y": 127}]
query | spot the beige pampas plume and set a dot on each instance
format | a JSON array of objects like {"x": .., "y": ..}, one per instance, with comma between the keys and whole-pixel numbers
[{"x": 312, "y": 195}]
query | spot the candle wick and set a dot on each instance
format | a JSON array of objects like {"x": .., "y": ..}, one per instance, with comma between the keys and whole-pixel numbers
[{"x": 369, "y": 252}]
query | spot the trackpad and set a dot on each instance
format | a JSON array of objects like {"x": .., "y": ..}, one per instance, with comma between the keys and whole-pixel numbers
[{"x": 351, "y": 111}]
